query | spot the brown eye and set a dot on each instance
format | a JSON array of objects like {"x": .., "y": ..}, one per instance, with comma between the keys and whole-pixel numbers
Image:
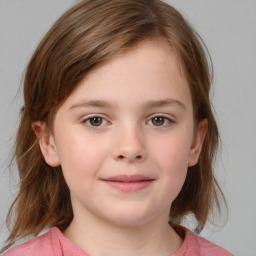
[
  {"x": 95, "y": 121},
  {"x": 158, "y": 120}
]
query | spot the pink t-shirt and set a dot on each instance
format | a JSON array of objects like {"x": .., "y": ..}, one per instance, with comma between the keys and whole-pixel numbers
[{"x": 54, "y": 243}]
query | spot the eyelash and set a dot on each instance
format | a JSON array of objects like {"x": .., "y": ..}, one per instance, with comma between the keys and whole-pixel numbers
[{"x": 87, "y": 120}]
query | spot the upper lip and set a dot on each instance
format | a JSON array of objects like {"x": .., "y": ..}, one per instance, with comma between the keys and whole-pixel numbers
[{"x": 129, "y": 178}]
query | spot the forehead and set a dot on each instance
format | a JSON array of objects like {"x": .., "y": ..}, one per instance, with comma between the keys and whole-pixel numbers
[
  {"x": 157, "y": 52},
  {"x": 145, "y": 72}
]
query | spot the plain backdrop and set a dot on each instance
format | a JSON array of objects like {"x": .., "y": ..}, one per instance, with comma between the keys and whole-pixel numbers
[{"x": 228, "y": 29}]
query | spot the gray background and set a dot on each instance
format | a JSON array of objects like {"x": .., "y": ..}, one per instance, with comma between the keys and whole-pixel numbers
[{"x": 228, "y": 28}]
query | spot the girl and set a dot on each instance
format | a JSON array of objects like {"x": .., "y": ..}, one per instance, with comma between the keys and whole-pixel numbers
[{"x": 117, "y": 137}]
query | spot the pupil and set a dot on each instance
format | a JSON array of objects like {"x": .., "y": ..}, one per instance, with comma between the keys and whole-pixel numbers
[
  {"x": 96, "y": 121},
  {"x": 158, "y": 121}
]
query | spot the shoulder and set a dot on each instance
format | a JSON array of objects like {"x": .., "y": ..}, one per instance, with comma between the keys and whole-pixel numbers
[
  {"x": 204, "y": 246},
  {"x": 40, "y": 246},
  {"x": 194, "y": 245},
  {"x": 209, "y": 247}
]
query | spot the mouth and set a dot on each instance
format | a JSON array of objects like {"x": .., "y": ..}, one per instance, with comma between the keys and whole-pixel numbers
[{"x": 129, "y": 183}]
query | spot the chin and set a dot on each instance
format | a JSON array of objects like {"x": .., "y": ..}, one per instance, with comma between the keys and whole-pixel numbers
[{"x": 130, "y": 218}]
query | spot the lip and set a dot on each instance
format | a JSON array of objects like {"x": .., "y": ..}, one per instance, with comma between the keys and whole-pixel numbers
[{"x": 129, "y": 183}]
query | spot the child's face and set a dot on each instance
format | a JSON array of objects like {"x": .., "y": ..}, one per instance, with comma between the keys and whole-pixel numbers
[{"x": 130, "y": 118}]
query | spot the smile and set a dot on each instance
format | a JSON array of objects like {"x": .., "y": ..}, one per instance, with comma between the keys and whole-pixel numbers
[{"x": 129, "y": 183}]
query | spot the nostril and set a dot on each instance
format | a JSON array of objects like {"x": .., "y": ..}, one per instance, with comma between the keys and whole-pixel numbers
[{"x": 122, "y": 157}]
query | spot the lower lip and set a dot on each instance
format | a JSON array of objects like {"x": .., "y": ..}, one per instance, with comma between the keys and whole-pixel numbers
[{"x": 130, "y": 186}]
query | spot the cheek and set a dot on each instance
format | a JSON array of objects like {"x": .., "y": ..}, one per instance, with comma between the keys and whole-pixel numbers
[
  {"x": 173, "y": 152},
  {"x": 171, "y": 156},
  {"x": 80, "y": 157}
]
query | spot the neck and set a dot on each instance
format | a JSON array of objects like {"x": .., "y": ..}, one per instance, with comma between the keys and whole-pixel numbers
[{"x": 98, "y": 237}]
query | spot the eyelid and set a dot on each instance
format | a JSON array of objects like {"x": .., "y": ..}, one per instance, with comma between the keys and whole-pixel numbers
[
  {"x": 165, "y": 116},
  {"x": 88, "y": 117}
]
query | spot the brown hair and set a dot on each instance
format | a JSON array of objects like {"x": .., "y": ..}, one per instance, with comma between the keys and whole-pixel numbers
[{"x": 87, "y": 35}]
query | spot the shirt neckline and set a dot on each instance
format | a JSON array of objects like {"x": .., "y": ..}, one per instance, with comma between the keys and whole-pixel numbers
[{"x": 188, "y": 238}]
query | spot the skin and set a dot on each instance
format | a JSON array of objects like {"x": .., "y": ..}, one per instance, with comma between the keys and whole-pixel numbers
[{"x": 126, "y": 140}]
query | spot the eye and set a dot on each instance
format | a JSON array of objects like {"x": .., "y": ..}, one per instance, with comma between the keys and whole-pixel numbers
[
  {"x": 95, "y": 121},
  {"x": 160, "y": 121}
]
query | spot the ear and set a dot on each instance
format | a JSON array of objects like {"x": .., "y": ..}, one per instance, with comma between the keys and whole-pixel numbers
[
  {"x": 46, "y": 143},
  {"x": 197, "y": 142}
]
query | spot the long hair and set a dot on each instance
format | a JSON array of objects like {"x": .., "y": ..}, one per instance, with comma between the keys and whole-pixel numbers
[{"x": 86, "y": 36}]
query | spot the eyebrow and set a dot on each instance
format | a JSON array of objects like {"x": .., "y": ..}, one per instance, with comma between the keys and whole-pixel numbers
[
  {"x": 165, "y": 102},
  {"x": 93, "y": 103},
  {"x": 149, "y": 104}
]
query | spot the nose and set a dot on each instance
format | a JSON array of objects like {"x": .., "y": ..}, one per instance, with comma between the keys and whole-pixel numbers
[{"x": 129, "y": 144}]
